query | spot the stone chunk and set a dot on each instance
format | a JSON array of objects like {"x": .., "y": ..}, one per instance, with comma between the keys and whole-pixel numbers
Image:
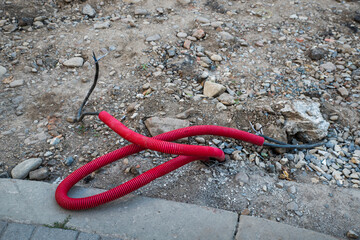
[
  {"x": 181, "y": 35},
  {"x": 328, "y": 66},
  {"x": 226, "y": 36},
  {"x": 317, "y": 53},
  {"x": 88, "y": 10},
  {"x": 184, "y": 2},
  {"x": 343, "y": 92},
  {"x": 102, "y": 25},
  {"x": 16, "y": 83},
  {"x": 216, "y": 58},
  {"x": 140, "y": 11},
  {"x": 304, "y": 118},
  {"x": 212, "y": 89},
  {"x": 198, "y": 33},
  {"x": 157, "y": 125},
  {"x": 226, "y": 99},
  {"x": 153, "y": 38},
  {"x": 10, "y": 28},
  {"x": 186, "y": 113},
  {"x": 202, "y": 20},
  {"x": 39, "y": 174},
  {"x": 74, "y": 62},
  {"x": 22, "y": 169}
]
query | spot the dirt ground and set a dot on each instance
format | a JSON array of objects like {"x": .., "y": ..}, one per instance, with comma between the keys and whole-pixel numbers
[{"x": 259, "y": 67}]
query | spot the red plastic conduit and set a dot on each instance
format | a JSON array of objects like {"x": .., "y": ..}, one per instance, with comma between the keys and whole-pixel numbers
[{"x": 161, "y": 143}]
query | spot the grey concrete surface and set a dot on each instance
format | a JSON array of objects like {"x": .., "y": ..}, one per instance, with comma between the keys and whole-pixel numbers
[
  {"x": 20, "y": 231},
  {"x": 253, "y": 228},
  {"x": 132, "y": 217},
  {"x": 88, "y": 236},
  {"x": 45, "y": 233},
  {"x": 16, "y": 231},
  {"x": 31, "y": 204}
]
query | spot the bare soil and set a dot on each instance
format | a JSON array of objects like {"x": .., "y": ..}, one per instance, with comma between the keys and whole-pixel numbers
[{"x": 53, "y": 93}]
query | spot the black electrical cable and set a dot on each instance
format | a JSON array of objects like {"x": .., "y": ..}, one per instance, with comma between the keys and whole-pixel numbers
[
  {"x": 281, "y": 144},
  {"x": 302, "y": 146},
  {"x": 80, "y": 114},
  {"x": 272, "y": 139}
]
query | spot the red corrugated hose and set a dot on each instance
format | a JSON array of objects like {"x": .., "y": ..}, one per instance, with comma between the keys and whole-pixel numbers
[{"x": 161, "y": 143}]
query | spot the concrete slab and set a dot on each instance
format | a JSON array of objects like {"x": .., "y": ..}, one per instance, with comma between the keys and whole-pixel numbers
[
  {"x": 127, "y": 218},
  {"x": 88, "y": 236},
  {"x": 16, "y": 231},
  {"x": 253, "y": 228},
  {"x": 2, "y": 227},
  {"x": 45, "y": 233}
]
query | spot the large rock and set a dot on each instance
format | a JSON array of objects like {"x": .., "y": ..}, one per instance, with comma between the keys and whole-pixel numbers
[
  {"x": 74, "y": 62},
  {"x": 22, "y": 169},
  {"x": 304, "y": 119},
  {"x": 157, "y": 125},
  {"x": 88, "y": 10},
  {"x": 212, "y": 89}
]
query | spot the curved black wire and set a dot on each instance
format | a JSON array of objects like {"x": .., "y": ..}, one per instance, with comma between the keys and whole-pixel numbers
[{"x": 80, "y": 114}]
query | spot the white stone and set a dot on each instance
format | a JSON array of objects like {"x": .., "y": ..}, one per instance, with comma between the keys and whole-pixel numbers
[
  {"x": 16, "y": 83},
  {"x": 184, "y": 2},
  {"x": 216, "y": 58},
  {"x": 88, "y": 10},
  {"x": 140, "y": 11},
  {"x": 157, "y": 125},
  {"x": 155, "y": 37},
  {"x": 181, "y": 35},
  {"x": 202, "y": 20},
  {"x": 304, "y": 118},
  {"x": 74, "y": 62},
  {"x": 328, "y": 66},
  {"x": 102, "y": 25},
  {"x": 212, "y": 89},
  {"x": 226, "y": 36}
]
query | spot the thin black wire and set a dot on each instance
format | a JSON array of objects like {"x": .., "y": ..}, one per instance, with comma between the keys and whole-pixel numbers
[
  {"x": 80, "y": 114},
  {"x": 302, "y": 146},
  {"x": 272, "y": 140},
  {"x": 281, "y": 144}
]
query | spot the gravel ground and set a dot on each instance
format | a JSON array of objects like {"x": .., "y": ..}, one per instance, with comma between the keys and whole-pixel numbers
[{"x": 289, "y": 69}]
